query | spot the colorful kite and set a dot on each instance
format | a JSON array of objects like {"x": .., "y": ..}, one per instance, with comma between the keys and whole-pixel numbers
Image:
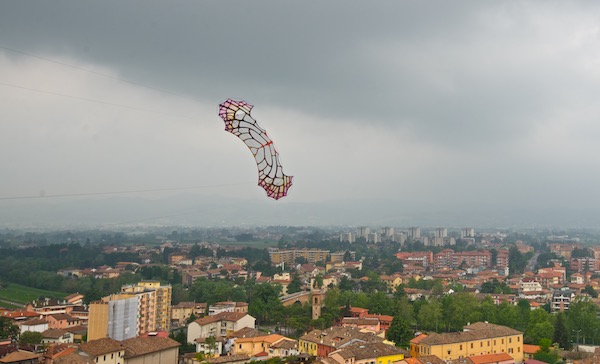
[{"x": 236, "y": 115}]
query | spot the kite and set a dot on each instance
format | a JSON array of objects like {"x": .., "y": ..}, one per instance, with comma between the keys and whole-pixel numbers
[{"x": 236, "y": 115}]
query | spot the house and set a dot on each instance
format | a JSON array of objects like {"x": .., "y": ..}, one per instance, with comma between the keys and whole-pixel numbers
[
  {"x": 371, "y": 324},
  {"x": 323, "y": 342},
  {"x": 220, "y": 324},
  {"x": 367, "y": 353},
  {"x": 529, "y": 350},
  {"x": 62, "y": 321},
  {"x": 500, "y": 358},
  {"x": 21, "y": 357},
  {"x": 34, "y": 325},
  {"x": 57, "y": 336},
  {"x": 284, "y": 348},
  {"x": 101, "y": 351},
  {"x": 258, "y": 344},
  {"x": 214, "y": 349},
  {"x": 182, "y": 311},
  {"x": 151, "y": 349}
]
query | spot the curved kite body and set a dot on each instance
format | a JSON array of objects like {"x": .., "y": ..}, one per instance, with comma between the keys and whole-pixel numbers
[{"x": 236, "y": 115}]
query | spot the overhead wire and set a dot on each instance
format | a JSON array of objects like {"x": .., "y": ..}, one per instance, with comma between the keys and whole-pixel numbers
[{"x": 116, "y": 78}]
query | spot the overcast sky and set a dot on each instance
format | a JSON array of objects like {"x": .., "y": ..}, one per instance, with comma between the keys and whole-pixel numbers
[{"x": 404, "y": 106}]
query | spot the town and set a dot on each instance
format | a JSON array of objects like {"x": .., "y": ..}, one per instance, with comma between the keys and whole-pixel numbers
[{"x": 289, "y": 295}]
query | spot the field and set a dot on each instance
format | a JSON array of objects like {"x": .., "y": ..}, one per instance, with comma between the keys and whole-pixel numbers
[{"x": 21, "y": 294}]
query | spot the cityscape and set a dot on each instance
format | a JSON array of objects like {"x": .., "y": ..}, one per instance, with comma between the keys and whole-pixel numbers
[{"x": 272, "y": 182}]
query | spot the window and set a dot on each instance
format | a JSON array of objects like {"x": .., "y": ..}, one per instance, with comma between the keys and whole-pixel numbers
[
  {"x": 112, "y": 356},
  {"x": 488, "y": 343},
  {"x": 494, "y": 342},
  {"x": 510, "y": 340},
  {"x": 481, "y": 344},
  {"x": 471, "y": 345},
  {"x": 518, "y": 339},
  {"x": 460, "y": 346},
  {"x": 510, "y": 351},
  {"x": 448, "y": 352}
]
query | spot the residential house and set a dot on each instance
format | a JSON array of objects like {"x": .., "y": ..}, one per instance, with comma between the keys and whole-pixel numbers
[
  {"x": 57, "y": 336},
  {"x": 499, "y": 358},
  {"x": 21, "y": 357},
  {"x": 151, "y": 350},
  {"x": 220, "y": 324},
  {"x": 363, "y": 353},
  {"x": 34, "y": 325},
  {"x": 101, "y": 351},
  {"x": 181, "y": 312},
  {"x": 258, "y": 344},
  {"x": 323, "y": 342}
]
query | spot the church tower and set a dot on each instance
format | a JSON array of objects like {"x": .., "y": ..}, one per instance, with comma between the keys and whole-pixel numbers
[{"x": 317, "y": 303}]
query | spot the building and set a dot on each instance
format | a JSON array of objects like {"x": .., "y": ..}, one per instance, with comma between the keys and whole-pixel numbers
[
  {"x": 362, "y": 353},
  {"x": 289, "y": 256},
  {"x": 163, "y": 296},
  {"x": 182, "y": 312},
  {"x": 221, "y": 324},
  {"x": 151, "y": 350},
  {"x": 228, "y": 306},
  {"x": 119, "y": 317},
  {"x": 321, "y": 343},
  {"x": 258, "y": 344},
  {"x": 479, "y": 338},
  {"x": 561, "y": 300}
]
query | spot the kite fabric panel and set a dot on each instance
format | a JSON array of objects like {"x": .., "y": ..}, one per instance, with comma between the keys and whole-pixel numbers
[{"x": 236, "y": 115}]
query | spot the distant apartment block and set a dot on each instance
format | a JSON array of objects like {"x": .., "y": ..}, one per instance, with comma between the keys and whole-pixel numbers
[
  {"x": 346, "y": 238},
  {"x": 289, "y": 256},
  {"x": 362, "y": 232},
  {"x": 467, "y": 233},
  {"x": 373, "y": 238}
]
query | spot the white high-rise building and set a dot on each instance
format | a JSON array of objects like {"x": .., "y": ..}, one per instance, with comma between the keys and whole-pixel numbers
[
  {"x": 467, "y": 233},
  {"x": 362, "y": 232},
  {"x": 414, "y": 232}
]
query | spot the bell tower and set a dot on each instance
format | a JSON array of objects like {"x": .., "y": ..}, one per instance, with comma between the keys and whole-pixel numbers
[{"x": 317, "y": 303}]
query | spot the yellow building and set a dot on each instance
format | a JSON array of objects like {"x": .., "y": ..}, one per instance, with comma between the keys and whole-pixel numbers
[
  {"x": 363, "y": 353},
  {"x": 98, "y": 320},
  {"x": 255, "y": 345},
  {"x": 477, "y": 339},
  {"x": 160, "y": 303}
]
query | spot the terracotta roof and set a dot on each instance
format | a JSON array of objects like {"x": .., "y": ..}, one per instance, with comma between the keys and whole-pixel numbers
[
  {"x": 337, "y": 336},
  {"x": 228, "y": 359},
  {"x": 271, "y": 338},
  {"x": 145, "y": 345},
  {"x": 222, "y": 316},
  {"x": 531, "y": 349},
  {"x": 360, "y": 320},
  {"x": 73, "y": 358},
  {"x": 35, "y": 321},
  {"x": 246, "y": 332},
  {"x": 18, "y": 356},
  {"x": 362, "y": 351},
  {"x": 101, "y": 346},
  {"x": 489, "y": 358},
  {"x": 418, "y": 339},
  {"x": 476, "y": 331},
  {"x": 53, "y": 333},
  {"x": 285, "y": 344}
]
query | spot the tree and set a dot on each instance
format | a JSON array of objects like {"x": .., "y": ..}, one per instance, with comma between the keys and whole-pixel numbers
[
  {"x": 294, "y": 285},
  {"x": 590, "y": 291},
  {"x": 8, "y": 329},
  {"x": 31, "y": 337},
  {"x": 561, "y": 332},
  {"x": 399, "y": 332},
  {"x": 547, "y": 353},
  {"x": 430, "y": 315},
  {"x": 539, "y": 327}
]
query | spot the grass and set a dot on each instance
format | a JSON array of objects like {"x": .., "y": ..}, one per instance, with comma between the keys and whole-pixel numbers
[{"x": 23, "y": 294}]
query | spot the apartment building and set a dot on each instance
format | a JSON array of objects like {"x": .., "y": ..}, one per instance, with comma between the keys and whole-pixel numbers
[
  {"x": 479, "y": 338},
  {"x": 157, "y": 299}
]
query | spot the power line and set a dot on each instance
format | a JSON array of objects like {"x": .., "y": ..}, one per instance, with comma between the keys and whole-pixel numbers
[
  {"x": 118, "y": 192},
  {"x": 93, "y": 100},
  {"x": 135, "y": 83}
]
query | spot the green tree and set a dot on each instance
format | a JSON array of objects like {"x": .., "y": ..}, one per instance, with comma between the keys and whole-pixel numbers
[
  {"x": 31, "y": 337},
  {"x": 8, "y": 330},
  {"x": 582, "y": 315},
  {"x": 547, "y": 353},
  {"x": 540, "y": 326},
  {"x": 294, "y": 285},
  {"x": 399, "y": 332},
  {"x": 562, "y": 334},
  {"x": 430, "y": 315}
]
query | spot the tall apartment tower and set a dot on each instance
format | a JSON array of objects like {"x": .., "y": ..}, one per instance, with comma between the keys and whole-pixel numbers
[
  {"x": 414, "y": 232},
  {"x": 362, "y": 232},
  {"x": 440, "y": 233},
  {"x": 157, "y": 296},
  {"x": 388, "y": 232},
  {"x": 467, "y": 233},
  {"x": 115, "y": 316}
]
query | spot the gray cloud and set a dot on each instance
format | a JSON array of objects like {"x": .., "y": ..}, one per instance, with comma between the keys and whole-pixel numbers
[{"x": 428, "y": 104}]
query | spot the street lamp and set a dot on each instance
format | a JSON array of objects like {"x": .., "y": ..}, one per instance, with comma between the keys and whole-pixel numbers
[{"x": 577, "y": 331}]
